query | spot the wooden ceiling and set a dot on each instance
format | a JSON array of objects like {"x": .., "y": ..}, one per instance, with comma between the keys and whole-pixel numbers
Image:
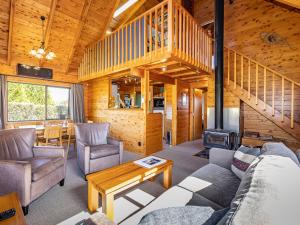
[
  {"x": 137, "y": 9},
  {"x": 71, "y": 26}
]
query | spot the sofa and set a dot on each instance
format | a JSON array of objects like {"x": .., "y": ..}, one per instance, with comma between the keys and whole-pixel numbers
[
  {"x": 267, "y": 194},
  {"x": 95, "y": 149},
  {"x": 28, "y": 170}
]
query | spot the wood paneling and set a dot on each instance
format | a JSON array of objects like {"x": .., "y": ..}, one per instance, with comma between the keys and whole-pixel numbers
[
  {"x": 254, "y": 121},
  {"x": 126, "y": 124},
  {"x": 230, "y": 100},
  {"x": 153, "y": 133},
  {"x": 182, "y": 134},
  {"x": 247, "y": 21}
]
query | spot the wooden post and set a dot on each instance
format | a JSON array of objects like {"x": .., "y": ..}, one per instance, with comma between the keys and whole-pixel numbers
[
  {"x": 234, "y": 72},
  {"x": 249, "y": 78},
  {"x": 170, "y": 25},
  {"x": 256, "y": 84},
  {"x": 282, "y": 99},
  {"x": 242, "y": 73},
  {"x": 265, "y": 87},
  {"x": 162, "y": 29},
  {"x": 292, "y": 105},
  {"x": 273, "y": 95},
  {"x": 228, "y": 69}
]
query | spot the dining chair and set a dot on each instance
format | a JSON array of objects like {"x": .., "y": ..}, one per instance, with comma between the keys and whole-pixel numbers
[
  {"x": 51, "y": 134},
  {"x": 69, "y": 137}
]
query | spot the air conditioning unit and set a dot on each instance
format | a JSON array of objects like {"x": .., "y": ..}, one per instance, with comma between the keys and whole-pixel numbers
[{"x": 34, "y": 71}]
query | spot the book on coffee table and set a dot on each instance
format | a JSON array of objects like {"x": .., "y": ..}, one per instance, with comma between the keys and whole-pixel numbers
[{"x": 150, "y": 162}]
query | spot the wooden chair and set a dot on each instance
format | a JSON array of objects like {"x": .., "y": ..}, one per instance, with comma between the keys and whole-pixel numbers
[
  {"x": 51, "y": 133},
  {"x": 70, "y": 135}
]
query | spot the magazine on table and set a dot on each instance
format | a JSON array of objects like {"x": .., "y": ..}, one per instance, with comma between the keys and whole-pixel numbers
[{"x": 150, "y": 162}]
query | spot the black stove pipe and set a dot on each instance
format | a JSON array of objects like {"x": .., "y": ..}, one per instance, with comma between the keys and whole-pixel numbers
[{"x": 219, "y": 61}]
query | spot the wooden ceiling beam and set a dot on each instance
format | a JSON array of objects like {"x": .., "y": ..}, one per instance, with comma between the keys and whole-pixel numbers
[
  {"x": 10, "y": 32},
  {"x": 161, "y": 78},
  {"x": 81, "y": 22},
  {"x": 117, "y": 3},
  {"x": 50, "y": 22},
  {"x": 293, "y": 3},
  {"x": 199, "y": 77}
]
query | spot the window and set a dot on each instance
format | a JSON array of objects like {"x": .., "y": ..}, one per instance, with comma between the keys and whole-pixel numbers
[{"x": 36, "y": 102}]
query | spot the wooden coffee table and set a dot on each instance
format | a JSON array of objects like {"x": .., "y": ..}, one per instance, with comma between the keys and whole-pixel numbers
[
  {"x": 114, "y": 180},
  {"x": 11, "y": 201}
]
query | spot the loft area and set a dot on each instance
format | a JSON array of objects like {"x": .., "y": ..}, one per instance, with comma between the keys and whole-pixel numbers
[{"x": 128, "y": 111}]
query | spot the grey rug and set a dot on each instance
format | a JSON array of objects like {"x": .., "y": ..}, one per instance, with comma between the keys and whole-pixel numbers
[{"x": 61, "y": 203}]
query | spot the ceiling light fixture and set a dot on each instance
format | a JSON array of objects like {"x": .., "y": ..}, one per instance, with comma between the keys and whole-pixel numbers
[
  {"x": 41, "y": 52},
  {"x": 124, "y": 7}
]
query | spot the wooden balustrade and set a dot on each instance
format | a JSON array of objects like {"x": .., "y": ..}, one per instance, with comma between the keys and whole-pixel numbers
[
  {"x": 282, "y": 93},
  {"x": 161, "y": 32}
]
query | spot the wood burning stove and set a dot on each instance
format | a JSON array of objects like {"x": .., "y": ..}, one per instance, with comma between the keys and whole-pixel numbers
[{"x": 214, "y": 138}]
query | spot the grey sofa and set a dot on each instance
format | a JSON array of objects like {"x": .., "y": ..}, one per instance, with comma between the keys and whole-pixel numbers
[
  {"x": 95, "y": 150},
  {"x": 214, "y": 191},
  {"x": 30, "y": 171}
]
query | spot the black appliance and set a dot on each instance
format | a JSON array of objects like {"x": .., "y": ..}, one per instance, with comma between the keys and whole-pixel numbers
[
  {"x": 220, "y": 139},
  {"x": 158, "y": 103},
  {"x": 34, "y": 71}
]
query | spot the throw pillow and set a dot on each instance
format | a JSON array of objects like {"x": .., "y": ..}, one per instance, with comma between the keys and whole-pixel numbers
[
  {"x": 242, "y": 159},
  {"x": 187, "y": 215},
  {"x": 268, "y": 194}
]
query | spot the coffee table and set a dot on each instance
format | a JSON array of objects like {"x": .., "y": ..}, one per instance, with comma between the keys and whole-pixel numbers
[
  {"x": 114, "y": 180},
  {"x": 11, "y": 201}
]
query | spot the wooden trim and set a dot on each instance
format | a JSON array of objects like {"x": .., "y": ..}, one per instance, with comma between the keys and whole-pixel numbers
[
  {"x": 50, "y": 22},
  {"x": 11, "y": 28},
  {"x": 83, "y": 17}
]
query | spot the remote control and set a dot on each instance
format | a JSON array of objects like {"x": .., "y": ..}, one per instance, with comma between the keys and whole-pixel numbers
[{"x": 7, "y": 214}]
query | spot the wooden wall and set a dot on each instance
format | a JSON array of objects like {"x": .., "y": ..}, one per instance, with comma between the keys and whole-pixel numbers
[
  {"x": 183, "y": 113},
  {"x": 230, "y": 100},
  {"x": 153, "y": 133},
  {"x": 254, "y": 121},
  {"x": 247, "y": 21},
  {"x": 126, "y": 124}
]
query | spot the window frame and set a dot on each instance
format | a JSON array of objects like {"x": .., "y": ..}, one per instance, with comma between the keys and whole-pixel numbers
[{"x": 46, "y": 104}]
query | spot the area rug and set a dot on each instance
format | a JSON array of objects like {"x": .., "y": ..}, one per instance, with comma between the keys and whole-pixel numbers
[{"x": 204, "y": 153}]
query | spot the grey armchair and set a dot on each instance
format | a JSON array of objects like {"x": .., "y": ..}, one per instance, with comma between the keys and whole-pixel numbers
[
  {"x": 95, "y": 150},
  {"x": 30, "y": 171}
]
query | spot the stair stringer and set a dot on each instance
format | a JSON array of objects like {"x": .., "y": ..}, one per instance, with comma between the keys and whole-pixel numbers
[{"x": 264, "y": 109}]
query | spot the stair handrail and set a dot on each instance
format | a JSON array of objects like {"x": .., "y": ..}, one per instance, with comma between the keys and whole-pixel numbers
[{"x": 266, "y": 69}]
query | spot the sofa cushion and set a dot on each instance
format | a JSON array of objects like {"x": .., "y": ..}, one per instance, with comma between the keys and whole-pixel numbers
[
  {"x": 99, "y": 151},
  {"x": 268, "y": 194},
  {"x": 242, "y": 159},
  {"x": 214, "y": 183},
  {"x": 280, "y": 149},
  {"x": 187, "y": 215},
  {"x": 198, "y": 200},
  {"x": 40, "y": 167}
]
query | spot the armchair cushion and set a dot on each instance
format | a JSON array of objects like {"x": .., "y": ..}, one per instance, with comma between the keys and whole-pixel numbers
[
  {"x": 99, "y": 151},
  {"x": 41, "y": 167},
  {"x": 92, "y": 133},
  {"x": 16, "y": 144}
]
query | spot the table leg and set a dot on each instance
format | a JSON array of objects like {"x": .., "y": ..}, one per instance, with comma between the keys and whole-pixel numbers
[
  {"x": 93, "y": 198},
  {"x": 108, "y": 205},
  {"x": 168, "y": 177}
]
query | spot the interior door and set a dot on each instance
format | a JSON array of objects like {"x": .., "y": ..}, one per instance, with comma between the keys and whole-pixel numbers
[{"x": 197, "y": 114}]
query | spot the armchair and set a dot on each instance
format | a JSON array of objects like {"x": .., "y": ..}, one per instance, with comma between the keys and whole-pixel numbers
[
  {"x": 30, "y": 171},
  {"x": 95, "y": 150}
]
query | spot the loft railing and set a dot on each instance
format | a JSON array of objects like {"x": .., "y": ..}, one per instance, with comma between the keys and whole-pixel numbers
[
  {"x": 265, "y": 84},
  {"x": 164, "y": 31}
]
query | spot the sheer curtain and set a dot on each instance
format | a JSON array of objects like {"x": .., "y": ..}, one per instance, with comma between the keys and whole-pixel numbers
[
  {"x": 3, "y": 103},
  {"x": 77, "y": 103}
]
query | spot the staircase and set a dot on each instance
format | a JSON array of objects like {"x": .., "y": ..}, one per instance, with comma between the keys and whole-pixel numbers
[{"x": 271, "y": 94}]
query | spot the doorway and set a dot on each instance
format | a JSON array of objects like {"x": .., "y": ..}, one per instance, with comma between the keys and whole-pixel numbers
[{"x": 196, "y": 127}]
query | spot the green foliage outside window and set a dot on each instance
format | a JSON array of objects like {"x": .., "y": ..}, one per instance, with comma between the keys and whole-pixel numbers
[{"x": 28, "y": 102}]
